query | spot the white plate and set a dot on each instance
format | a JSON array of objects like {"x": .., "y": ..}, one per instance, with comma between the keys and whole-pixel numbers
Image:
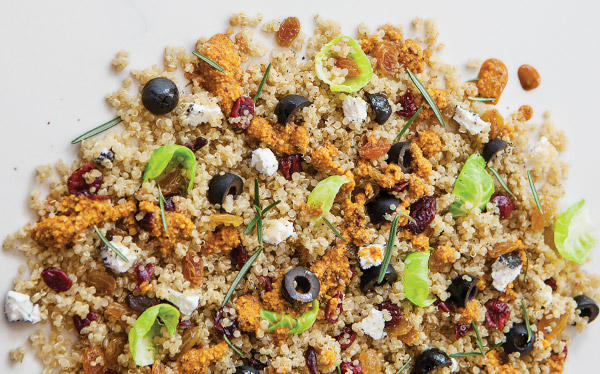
[{"x": 55, "y": 65}]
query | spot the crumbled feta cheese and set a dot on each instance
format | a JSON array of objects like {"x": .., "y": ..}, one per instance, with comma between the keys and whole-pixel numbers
[
  {"x": 373, "y": 324},
  {"x": 277, "y": 230},
  {"x": 506, "y": 268},
  {"x": 18, "y": 307},
  {"x": 196, "y": 114},
  {"x": 264, "y": 161},
  {"x": 114, "y": 261},
  {"x": 185, "y": 302},
  {"x": 470, "y": 121},
  {"x": 454, "y": 366},
  {"x": 370, "y": 255},
  {"x": 355, "y": 109}
]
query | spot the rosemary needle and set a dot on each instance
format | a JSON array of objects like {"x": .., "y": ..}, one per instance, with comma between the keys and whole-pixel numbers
[
  {"x": 407, "y": 124},
  {"x": 262, "y": 83},
  {"x": 534, "y": 191},
  {"x": 427, "y": 97},
  {"x": 161, "y": 202},
  {"x": 388, "y": 250},
  {"x": 209, "y": 61},
  {"x": 110, "y": 245},
  {"x": 97, "y": 130},
  {"x": 334, "y": 229},
  {"x": 474, "y": 98}
]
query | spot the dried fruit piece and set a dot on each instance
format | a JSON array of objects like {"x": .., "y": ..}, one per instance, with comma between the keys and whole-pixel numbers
[
  {"x": 354, "y": 368},
  {"x": 80, "y": 323},
  {"x": 289, "y": 165},
  {"x": 218, "y": 322},
  {"x": 442, "y": 306},
  {"x": 266, "y": 282},
  {"x": 497, "y": 313},
  {"x": 140, "y": 303},
  {"x": 348, "y": 64},
  {"x": 409, "y": 107},
  {"x": 89, "y": 357},
  {"x": 104, "y": 283},
  {"x": 190, "y": 339},
  {"x": 239, "y": 256},
  {"x": 387, "y": 57},
  {"x": 394, "y": 311},
  {"x": 226, "y": 219},
  {"x": 288, "y": 31},
  {"x": 57, "y": 279},
  {"x": 505, "y": 247},
  {"x": 143, "y": 272},
  {"x": 310, "y": 357},
  {"x": 552, "y": 283},
  {"x": 114, "y": 312},
  {"x": 346, "y": 337},
  {"x": 374, "y": 147},
  {"x": 114, "y": 347},
  {"x": 504, "y": 204},
  {"x": 192, "y": 268},
  {"x": 423, "y": 213},
  {"x": 334, "y": 308},
  {"x": 197, "y": 143},
  {"x": 370, "y": 362},
  {"x": 461, "y": 330},
  {"x": 77, "y": 184}
]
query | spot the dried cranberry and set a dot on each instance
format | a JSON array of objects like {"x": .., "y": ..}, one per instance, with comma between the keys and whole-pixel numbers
[
  {"x": 461, "y": 330},
  {"x": 239, "y": 256},
  {"x": 266, "y": 282},
  {"x": 552, "y": 283},
  {"x": 147, "y": 221},
  {"x": 290, "y": 165},
  {"x": 334, "y": 316},
  {"x": 251, "y": 361},
  {"x": 310, "y": 356},
  {"x": 397, "y": 188},
  {"x": 242, "y": 104},
  {"x": 80, "y": 323},
  {"x": 143, "y": 272},
  {"x": 497, "y": 313},
  {"x": 442, "y": 306},
  {"x": 409, "y": 107},
  {"x": 504, "y": 203},
  {"x": 227, "y": 331},
  {"x": 196, "y": 144},
  {"x": 394, "y": 311},
  {"x": 184, "y": 324},
  {"x": 346, "y": 337},
  {"x": 77, "y": 184},
  {"x": 140, "y": 303},
  {"x": 354, "y": 368},
  {"x": 169, "y": 204},
  {"x": 423, "y": 212},
  {"x": 57, "y": 279}
]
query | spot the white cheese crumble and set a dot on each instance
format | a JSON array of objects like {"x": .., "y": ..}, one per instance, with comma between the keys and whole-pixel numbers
[
  {"x": 370, "y": 255},
  {"x": 18, "y": 307},
  {"x": 196, "y": 114},
  {"x": 373, "y": 324},
  {"x": 470, "y": 121},
  {"x": 185, "y": 302},
  {"x": 355, "y": 109},
  {"x": 116, "y": 263},
  {"x": 264, "y": 161},
  {"x": 277, "y": 230},
  {"x": 503, "y": 273},
  {"x": 454, "y": 366}
]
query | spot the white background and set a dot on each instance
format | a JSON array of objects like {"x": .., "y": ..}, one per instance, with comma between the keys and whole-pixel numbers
[{"x": 55, "y": 65}]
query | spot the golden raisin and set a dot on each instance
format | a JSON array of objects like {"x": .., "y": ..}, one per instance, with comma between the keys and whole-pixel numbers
[
  {"x": 498, "y": 128},
  {"x": 370, "y": 362},
  {"x": 114, "y": 312},
  {"x": 288, "y": 31},
  {"x": 88, "y": 360},
  {"x": 529, "y": 77},
  {"x": 104, "y": 283},
  {"x": 190, "y": 339},
  {"x": 387, "y": 57},
  {"x": 505, "y": 247},
  {"x": 192, "y": 270},
  {"x": 348, "y": 64},
  {"x": 374, "y": 148},
  {"x": 226, "y": 219},
  {"x": 493, "y": 76},
  {"x": 114, "y": 347}
]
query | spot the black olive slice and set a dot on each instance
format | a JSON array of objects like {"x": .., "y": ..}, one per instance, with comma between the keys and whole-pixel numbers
[
  {"x": 380, "y": 105},
  {"x": 160, "y": 95},
  {"x": 516, "y": 340},
  {"x": 462, "y": 290},
  {"x": 300, "y": 285},
  {"x": 429, "y": 360},
  {"x": 399, "y": 154},
  {"x": 492, "y": 147},
  {"x": 586, "y": 307},
  {"x": 380, "y": 206},
  {"x": 246, "y": 370},
  {"x": 288, "y": 105},
  {"x": 222, "y": 185},
  {"x": 368, "y": 279}
]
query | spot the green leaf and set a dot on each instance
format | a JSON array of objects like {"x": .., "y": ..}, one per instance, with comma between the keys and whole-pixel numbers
[
  {"x": 146, "y": 327},
  {"x": 209, "y": 61},
  {"x": 573, "y": 233},
  {"x": 473, "y": 185},
  {"x": 167, "y": 157},
  {"x": 352, "y": 84},
  {"x": 427, "y": 97},
  {"x": 97, "y": 130},
  {"x": 416, "y": 273},
  {"x": 324, "y": 193}
]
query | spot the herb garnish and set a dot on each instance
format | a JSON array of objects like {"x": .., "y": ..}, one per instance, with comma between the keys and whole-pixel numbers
[
  {"x": 534, "y": 192},
  {"x": 501, "y": 182},
  {"x": 527, "y": 325},
  {"x": 427, "y": 97},
  {"x": 257, "y": 220},
  {"x": 262, "y": 83},
  {"x": 110, "y": 245},
  {"x": 97, "y": 130},
  {"x": 334, "y": 229},
  {"x": 339, "y": 369},
  {"x": 209, "y": 61},
  {"x": 472, "y": 80},
  {"x": 161, "y": 202},
  {"x": 388, "y": 250},
  {"x": 482, "y": 350},
  {"x": 474, "y": 98},
  {"x": 404, "y": 366},
  {"x": 407, "y": 124},
  {"x": 235, "y": 349}
]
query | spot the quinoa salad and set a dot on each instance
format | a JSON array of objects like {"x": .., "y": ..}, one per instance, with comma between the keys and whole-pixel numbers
[{"x": 335, "y": 204}]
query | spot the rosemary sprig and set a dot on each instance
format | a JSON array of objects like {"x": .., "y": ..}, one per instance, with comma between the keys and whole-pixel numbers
[
  {"x": 534, "y": 192},
  {"x": 501, "y": 182},
  {"x": 110, "y": 245},
  {"x": 493, "y": 347},
  {"x": 97, "y": 130},
  {"x": 407, "y": 124},
  {"x": 339, "y": 369},
  {"x": 404, "y": 366},
  {"x": 479, "y": 341},
  {"x": 472, "y": 80},
  {"x": 482, "y": 350},
  {"x": 334, "y": 229},
  {"x": 262, "y": 83},
  {"x": 527, "y": 325},
  {"x": 241, "y": 275},
  {"x": 161, "y": 203},
  {"x": 387, "y": 256},
  {"x": 466, "y": 354},
  {"x": 235, "y": 349},
  {"x": 475, "y": 98},
  {"x": 427, "y": 97},
  {"x": 209, "y": 61}
]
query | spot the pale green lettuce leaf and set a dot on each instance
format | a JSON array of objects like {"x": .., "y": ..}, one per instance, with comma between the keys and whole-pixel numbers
[
  {"x": 146, "y": 327},
  {"x": 473, "y": 185},
  {"x": 324, "y": 193},
  {"x": 573, "y": 233},
  {"x": 352, "y": 84},
  {"x": 416, "y": 273}
]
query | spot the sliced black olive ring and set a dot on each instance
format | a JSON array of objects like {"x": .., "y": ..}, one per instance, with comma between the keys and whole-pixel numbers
[
  {"x": 462, "y": 290},
  {"x": 380, "y": 206},
  {"x": 288, "y": 105},
  {"x": 246, "y": 370},
  {"x": 517, "y": 340},
  {"x": 492, "y": 147},
  {"x": 586, "y": 307},
  {"x": 399, "y": 154},
  {"x": 222, "y": 185},
  {"x": 429, "y": 360},
  {"x": 300, "y": 285},
  {"x": 368, "y": 279}
]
